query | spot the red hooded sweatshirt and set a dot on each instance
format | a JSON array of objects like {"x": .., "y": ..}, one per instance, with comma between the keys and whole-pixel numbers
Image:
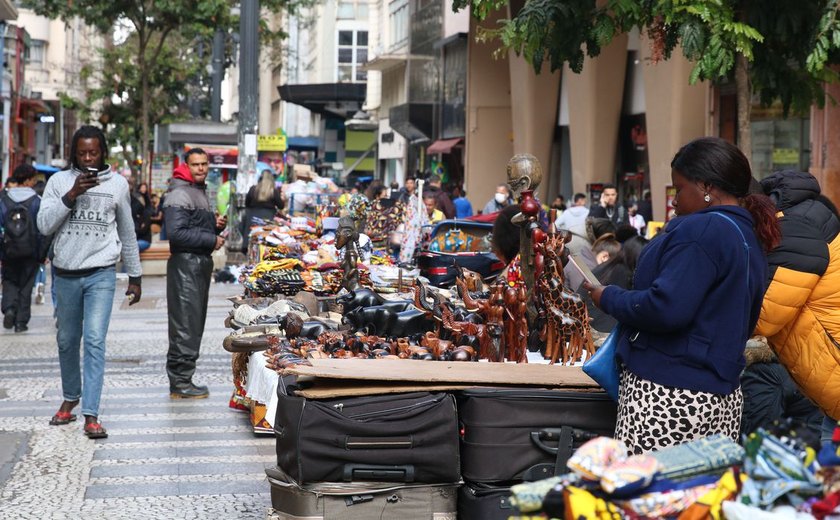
[{"x": 182, "y": 171}]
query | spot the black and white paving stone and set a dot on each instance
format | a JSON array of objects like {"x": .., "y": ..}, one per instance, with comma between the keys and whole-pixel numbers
[{"x": 191, "y": 459}]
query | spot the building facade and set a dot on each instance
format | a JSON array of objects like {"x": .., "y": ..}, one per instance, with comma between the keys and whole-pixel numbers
[
  {"x": 55, "y": 55},
  {"x": 620, "y": 121},
  {"x": 322, "y": 89},
  {"x": 417, "y": 88}
]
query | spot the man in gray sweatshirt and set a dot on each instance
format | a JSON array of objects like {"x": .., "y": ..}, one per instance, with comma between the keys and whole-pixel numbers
[{"x": 88, "y": 210}]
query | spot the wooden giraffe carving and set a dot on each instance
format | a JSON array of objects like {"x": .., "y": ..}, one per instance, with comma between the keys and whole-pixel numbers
[{"x": 567, "y": 319}]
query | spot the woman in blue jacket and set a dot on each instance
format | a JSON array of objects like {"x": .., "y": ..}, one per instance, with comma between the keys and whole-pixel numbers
[{"x": 697, "y": 294}]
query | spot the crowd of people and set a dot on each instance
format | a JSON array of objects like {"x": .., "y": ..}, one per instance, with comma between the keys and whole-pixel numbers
[{"x": 742, "y": 260}]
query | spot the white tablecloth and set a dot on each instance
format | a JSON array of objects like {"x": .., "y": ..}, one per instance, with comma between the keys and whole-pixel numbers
[{"x": 261, "y": 385}]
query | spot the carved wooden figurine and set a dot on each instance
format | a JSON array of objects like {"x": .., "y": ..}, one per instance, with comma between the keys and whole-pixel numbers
[{"x": 567, "y": 319}]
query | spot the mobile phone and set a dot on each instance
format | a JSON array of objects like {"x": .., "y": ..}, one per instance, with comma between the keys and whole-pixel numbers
[
  {"x": 91, "y": 171},
  {"x": 579, "y": 264}
]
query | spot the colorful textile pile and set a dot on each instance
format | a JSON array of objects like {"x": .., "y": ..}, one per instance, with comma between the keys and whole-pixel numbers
[
  {"x": 665, "y": 484},
  {"x": 772, "y": 476}
]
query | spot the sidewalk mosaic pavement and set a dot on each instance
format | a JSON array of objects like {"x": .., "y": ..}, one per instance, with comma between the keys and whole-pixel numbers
[{"x": 190, "y": 459}]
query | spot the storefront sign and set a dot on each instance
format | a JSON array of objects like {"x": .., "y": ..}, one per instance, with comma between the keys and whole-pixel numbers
[
  {"x": 785, "y": 156},
  {"x": 271, "y": 143}
]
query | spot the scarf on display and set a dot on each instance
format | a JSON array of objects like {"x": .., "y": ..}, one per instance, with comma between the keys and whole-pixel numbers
[{"x": 414, "y": 222}]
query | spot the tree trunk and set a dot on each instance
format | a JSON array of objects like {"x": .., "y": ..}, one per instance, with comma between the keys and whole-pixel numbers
[
  {"x": 744, "y": 95},
  {"x": 144, "y": 116}
]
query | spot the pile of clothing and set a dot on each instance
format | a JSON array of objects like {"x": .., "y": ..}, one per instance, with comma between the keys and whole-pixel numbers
[{"x": 770, "y": 476}]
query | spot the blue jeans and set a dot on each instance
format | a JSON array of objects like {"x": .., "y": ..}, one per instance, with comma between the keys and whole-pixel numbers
[
  {"x": 83, "y": 309},
  {"x": 143, "y": 245}
]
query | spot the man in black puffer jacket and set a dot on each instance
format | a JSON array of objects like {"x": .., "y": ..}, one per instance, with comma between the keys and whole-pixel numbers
[{"x": 193, "y": 230}]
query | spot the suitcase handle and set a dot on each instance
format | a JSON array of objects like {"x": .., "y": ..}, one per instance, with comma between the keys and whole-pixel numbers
[
  {"x": 378, "y": 443},
  {"x": 565, "y": 438},
  {"x": 354, "y": 472},
  {"x": 555, "y": 434}
]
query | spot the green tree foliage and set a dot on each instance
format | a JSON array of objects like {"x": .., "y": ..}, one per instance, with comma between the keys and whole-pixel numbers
[
  {"x": 148, "y": 68},
  {"x": 788, "y": 43}
]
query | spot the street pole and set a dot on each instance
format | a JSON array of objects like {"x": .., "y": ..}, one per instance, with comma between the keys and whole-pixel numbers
[
  {"x": 248, "y": 98},
  {"x": 218, "y": 72}
]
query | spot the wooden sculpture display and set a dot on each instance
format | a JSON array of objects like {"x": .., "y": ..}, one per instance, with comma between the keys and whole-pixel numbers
[
  {"x": 347, "y": 239},
  {"x": 524, "y": 175},
  {"x": 566, "y": 331}
]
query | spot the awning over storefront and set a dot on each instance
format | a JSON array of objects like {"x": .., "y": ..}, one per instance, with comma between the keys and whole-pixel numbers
[
  {"x": 219, "y": 156},
  {"x": 331, "y": 99},
  {"x": 442, "y": 146},
  {"x": 384, "y": 62},
  {"x": 412, "y": 121},
  {"x": 44, "y": 168},
  {"x": 34, "y": 105},
  {"x": 303, "y": 143}
]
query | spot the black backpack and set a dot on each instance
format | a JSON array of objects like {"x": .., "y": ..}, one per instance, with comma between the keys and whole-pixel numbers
[{"x": 20, "y": 239}]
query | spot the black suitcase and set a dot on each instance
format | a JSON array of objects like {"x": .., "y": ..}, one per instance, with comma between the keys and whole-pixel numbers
[
  {"x": 407, "y": 438},
  {"x": 515, "y": 435},
  {"x": 360, "y": 501},
  {"x": 484, "y": 502}
]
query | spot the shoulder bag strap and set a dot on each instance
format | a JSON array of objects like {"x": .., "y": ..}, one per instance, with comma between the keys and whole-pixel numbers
[{"x": 743, "y": 239}]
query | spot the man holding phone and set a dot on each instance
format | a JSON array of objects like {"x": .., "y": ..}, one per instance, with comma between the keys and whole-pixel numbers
[
  {"x": 193, "y": 230},
  {"x": 88, "y": 210}
]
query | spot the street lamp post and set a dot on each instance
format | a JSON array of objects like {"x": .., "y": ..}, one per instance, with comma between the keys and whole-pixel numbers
[{"x": 248, "y": 99}]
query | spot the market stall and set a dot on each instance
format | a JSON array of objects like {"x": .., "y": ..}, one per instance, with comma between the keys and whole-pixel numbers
[{"x": 391, "y": 397}]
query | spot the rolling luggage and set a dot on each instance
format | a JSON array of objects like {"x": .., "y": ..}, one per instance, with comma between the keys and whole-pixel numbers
[
  {"x": 362, "y": 501},
  {"x": 462, "y": 241},
  {"x": 514, "y": 435},
  {"x": 407, "y": 438},
  {"x": 484, "y": 502}
]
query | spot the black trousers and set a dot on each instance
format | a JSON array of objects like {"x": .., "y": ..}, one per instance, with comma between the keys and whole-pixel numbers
[
  {"x": 187, "y": 287},
  {"x": 18, "y": 280}
]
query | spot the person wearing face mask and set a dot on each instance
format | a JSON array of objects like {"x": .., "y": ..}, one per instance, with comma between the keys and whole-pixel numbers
[{"x": 500, "y": 200}]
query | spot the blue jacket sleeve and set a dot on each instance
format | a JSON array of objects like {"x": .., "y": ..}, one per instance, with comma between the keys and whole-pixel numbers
[{"x": 672, "y": 300}]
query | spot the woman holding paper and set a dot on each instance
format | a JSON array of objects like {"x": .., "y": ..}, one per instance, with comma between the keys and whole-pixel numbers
[{"x": 697, "y": 294}]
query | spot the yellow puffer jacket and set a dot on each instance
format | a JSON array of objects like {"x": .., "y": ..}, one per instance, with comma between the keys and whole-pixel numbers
[{"x": 800, "y": 315}]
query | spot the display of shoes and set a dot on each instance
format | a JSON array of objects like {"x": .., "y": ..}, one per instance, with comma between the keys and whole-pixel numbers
[{"x": 189, "y": 391}]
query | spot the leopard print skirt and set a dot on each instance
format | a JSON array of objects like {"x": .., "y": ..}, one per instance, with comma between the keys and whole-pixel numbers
[{"x": 652, "y": 416}]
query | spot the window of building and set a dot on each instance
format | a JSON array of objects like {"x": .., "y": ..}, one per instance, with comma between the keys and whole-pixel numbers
[
  {"x": 352, "y": 54},
  {"x": 346, "y": 11},
  {"x": 399, "y": 24},
  {"x": 780, "y": 144},
  {"x": 36, "y": 53}
]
